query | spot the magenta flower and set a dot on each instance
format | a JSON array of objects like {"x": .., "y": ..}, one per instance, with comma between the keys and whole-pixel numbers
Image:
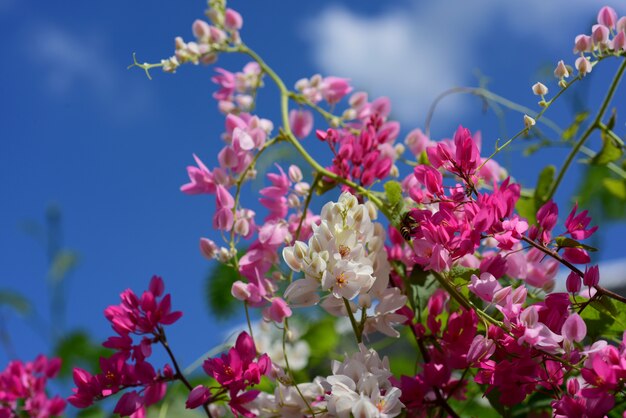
[
  {"x": 577, "y": 224},
  {"x": 237, "y": 368}
]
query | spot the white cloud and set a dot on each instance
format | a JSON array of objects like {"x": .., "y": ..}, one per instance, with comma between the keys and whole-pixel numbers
[
  {"x": 414, "y": 53},
  {"x": 73, "y": 64}
]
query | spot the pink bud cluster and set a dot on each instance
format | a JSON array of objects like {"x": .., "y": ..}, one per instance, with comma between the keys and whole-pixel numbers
[
  {"x": 235, "y": 372},
  {"x": 237, "y": 90},
  {"x": 128, "y": 367},
  {"x": 210, "y": 39},
  {"x": 23, "y": 389}
]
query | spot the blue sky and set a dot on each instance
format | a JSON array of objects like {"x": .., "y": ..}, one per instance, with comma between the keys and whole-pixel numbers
[{"x": 110, "y": 147}]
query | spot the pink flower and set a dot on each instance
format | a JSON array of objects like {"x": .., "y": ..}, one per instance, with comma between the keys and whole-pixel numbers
[
  {"x": 301, "y": 122},
  {"x": 278, "y": 310},
  {"x": 237, "y": 369},
  {"x": 333, "y": 89},
  {"x": 198, "y": 396},
  {"x": 577, "y": 224},
  {"x": 485, "y": 286},
  {"x": 201, "y": 179}
]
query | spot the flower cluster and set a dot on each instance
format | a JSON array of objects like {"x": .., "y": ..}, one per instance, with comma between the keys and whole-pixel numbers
[
  {"x": 128, "y": 367},
  {"x": 23, "y": 389},
  {"x": 234, "y": 371},
  {"x": 467, "y": 275}
]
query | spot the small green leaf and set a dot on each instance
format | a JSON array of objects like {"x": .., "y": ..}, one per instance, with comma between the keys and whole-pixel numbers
[
  {"x": 616, "y": 187},
  {"x": 462, "y": 275},
  {"x": 525, "y": 206},
  {"x": 565, "y": 242},
  {"x": 546, "y": 177},
  {"x": 64, "y": 262},
  {"x": 604, "y": 319},
  {"x": 15, "y": 301},
  {"x": 393, "y": 190},
  {"x": 571, "y": 131},
  {"x": 610, "y": 151}
]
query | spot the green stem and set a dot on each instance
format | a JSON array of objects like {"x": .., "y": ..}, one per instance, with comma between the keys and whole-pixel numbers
[
  {"x": 594, "y": 125},
  {"x": 355, "y": 327}
]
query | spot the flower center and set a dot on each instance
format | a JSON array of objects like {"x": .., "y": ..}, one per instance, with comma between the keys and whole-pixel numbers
[
  {"x": 341, "y": 280},
  {"x": 344, "y": 251}
]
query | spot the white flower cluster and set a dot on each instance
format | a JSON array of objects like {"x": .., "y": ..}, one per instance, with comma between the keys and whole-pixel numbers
[
  {"x": 359, "y": 386},
  {"x": 345, "y": 256}
]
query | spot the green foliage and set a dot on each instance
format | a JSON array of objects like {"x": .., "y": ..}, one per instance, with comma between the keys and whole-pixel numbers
[
  {"x": 63, "y": 263},
  {"x": 221, "y": 304},
  {"x": 544, "y": 183},
  {"x": 604, "y": 318},
  {"x": 565, "y": 242},
  {"x": 570, "y": 132},
  {"x": 525, "y": 206},
  {"x": 461, "y": 275},
  {"x": 15, "y": 301},
  {"x": 607, "y": 202},
  {"x": 321, "y": 337},
  {"x": 616, "y": 187},
  {"x": 393, "y": 192},
  {"x": 92, "y": 412},
  {"x": 77, "y": 349},
  {"x": 611, "y": 151}
]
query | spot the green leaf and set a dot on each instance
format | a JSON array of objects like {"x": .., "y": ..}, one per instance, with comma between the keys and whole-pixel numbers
[
  {"x": 77, "y": 349},
  {"x": 611, "y": 151},
  {"x": 571, "y": 131},
  {"x": 393, "y": 190},
  {"x": 604, "y": 318},
  {"x": 525, "y": 206},
  {"x": 462, "y": 275},
  {"x": 92, "y": 412},
  {"x": 565, "y": 242},
  {"x": 616, "y": 187},
  {"x": 546, "y": 177},
  {"x": 15, "y": 301},
  {"x": 64, "y": 262},
  {"x": 218, "y": 284}
]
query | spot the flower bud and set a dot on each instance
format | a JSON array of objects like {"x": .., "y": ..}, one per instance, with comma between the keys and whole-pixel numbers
[
  {"x": 540, "y": 89},
  {"x": 295, "y": 174},
  {"x": 232, "y": 20},
  {"x": 528, "y": 122},
  {"x": 301, "y": 122},
  {"x": 621, "y": 24},
  {"x": 481, "y": 349},
  {"x": 573, "y": 386},
  {"x": 561, "y": 70},
  {"x": 223, "y": 255},
  {"x": 302, "y": 188},
  {"x": 592, "y": 276},
  {"x": 240, "y": 291},
  {"x": 572, "y": 284},
  {"x": 583, "y": 65},
  {"x": 582, "y": 43},
  {"x": 201, "y": 30},
  {"x": 349, "y": 114},
  {"x": 242, "y": 227},
  {"x": 208, "y": 248},
  {"x": 619, "y": 42},
  {"x": 607, "y": 17},
  {"x": 226, "y": 106},
  {"x": 293, "y": 201},
  {"x": 600, "y": 36}
]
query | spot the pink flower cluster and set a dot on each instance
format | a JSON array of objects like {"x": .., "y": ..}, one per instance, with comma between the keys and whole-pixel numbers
[
  {"x": 128, "y": 367},
  {"x": 444, "y": 349},
  {"x": 235, "y": 371},
  {"x": 23, "y": 389}
]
